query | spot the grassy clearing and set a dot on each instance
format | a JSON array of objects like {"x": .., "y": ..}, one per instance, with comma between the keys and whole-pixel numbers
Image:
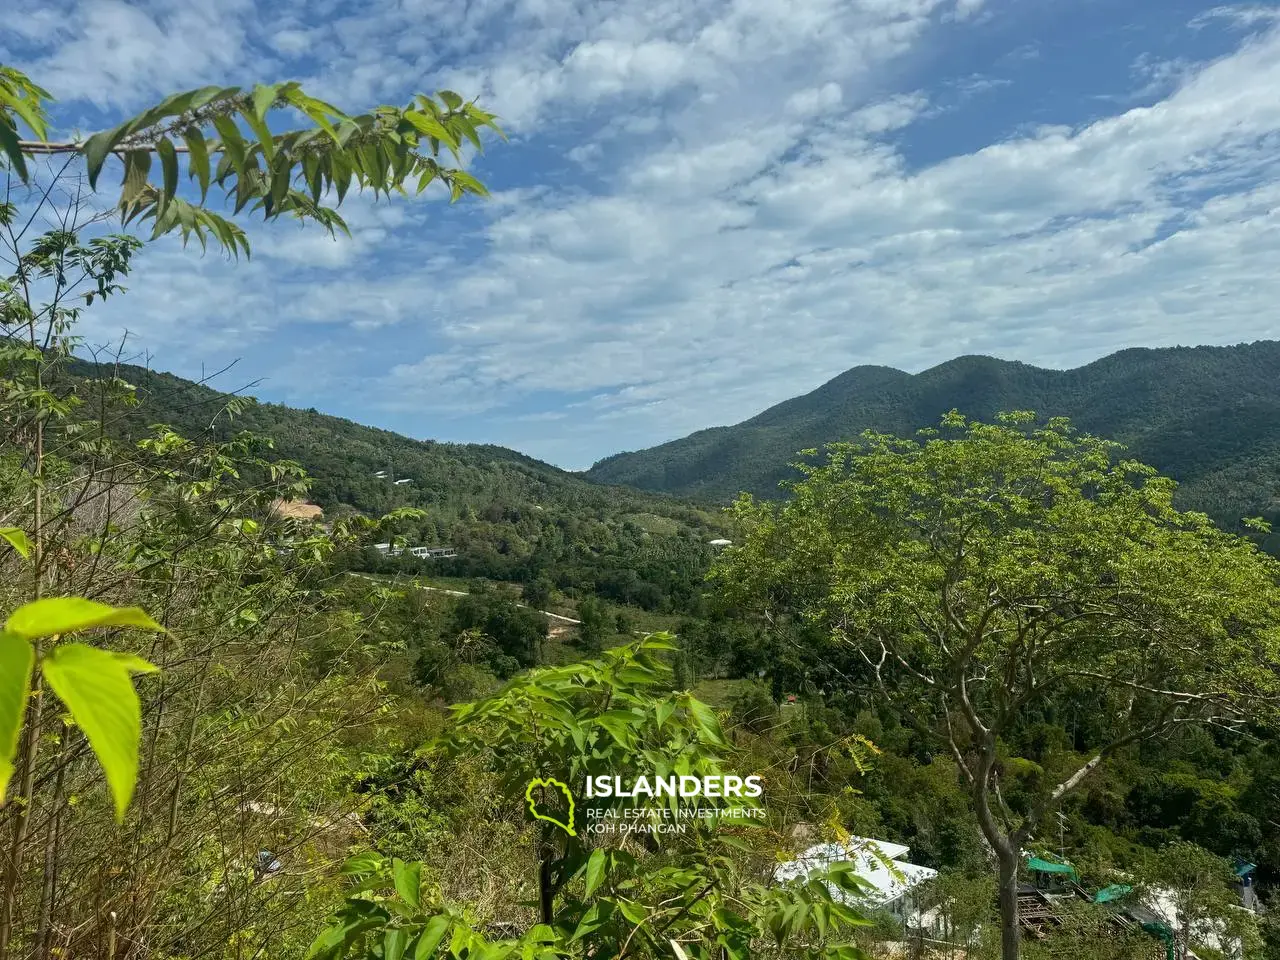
[{"x": 719, "y": 693}]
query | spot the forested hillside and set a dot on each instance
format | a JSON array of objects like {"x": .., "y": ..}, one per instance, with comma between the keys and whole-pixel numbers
[
  {"x": 1207, "y": 416},
  {"x": 233, "y": 729},
  {"x": 510, "y": 517}
]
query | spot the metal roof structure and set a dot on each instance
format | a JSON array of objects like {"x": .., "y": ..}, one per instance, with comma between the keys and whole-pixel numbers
[{"x": 878, "y": 862}]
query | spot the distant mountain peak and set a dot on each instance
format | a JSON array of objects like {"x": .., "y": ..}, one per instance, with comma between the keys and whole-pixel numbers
[{"x": 1208, "y": 416}]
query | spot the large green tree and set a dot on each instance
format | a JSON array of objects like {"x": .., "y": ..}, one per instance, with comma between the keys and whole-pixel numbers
[
  {"x": 1194, "y": 891},
  {"x": 980, "y": 573}
]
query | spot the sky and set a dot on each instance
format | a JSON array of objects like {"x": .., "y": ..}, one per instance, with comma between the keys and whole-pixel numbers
[{"x": 706, "y": 207}]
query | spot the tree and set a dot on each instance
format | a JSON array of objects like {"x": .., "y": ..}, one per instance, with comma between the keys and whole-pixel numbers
[
  {"x": 595, "y": 623},
  {"x": 690, "y": 893},
  {"x": 517, "y": 633},
  {"x": 182, "y": 526},
  {"x": 969, "y": 581},
  {"x": 963, "y": 906},
  {"x": 537, "y": 593},
  {"x": 1194, "y": 891}
]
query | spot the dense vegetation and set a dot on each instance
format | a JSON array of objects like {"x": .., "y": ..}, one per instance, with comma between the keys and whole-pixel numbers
[
  {"x": 509, "y": 517},
  {"x": 982, "y": 577},
  {"x": 224, "y": 731},
  {"x": 1207, "y": 416}
]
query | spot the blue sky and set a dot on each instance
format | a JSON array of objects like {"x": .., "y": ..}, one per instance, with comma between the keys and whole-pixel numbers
[{"x": 709, "y": 206}]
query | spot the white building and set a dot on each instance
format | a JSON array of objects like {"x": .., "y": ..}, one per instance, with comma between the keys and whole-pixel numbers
[
  {"x": 432, "y": 553},
  {"x": 881, "y": 864},
  {"x": 422, "y": 553},
  {"x": 721, "y": 543}
]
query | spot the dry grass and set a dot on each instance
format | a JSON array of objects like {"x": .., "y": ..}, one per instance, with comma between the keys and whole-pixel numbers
[{"x": 296, "y": 510}]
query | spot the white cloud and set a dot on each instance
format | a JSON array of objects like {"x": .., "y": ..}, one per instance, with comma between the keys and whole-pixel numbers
[
  {"x": 734, "y": 219},
  {"x": 1241, "y": 16},
  {"x": 718, "y": 278},
  {"x": 112, "y": 54},
  {"x": 815, "y": 100}
]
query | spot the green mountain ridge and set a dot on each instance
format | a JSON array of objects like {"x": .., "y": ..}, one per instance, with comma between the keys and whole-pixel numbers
[
  {"x": 342, "y": 455},
  {"x": 1207, "y": 416},
  {"x": 510, "y": 516}
]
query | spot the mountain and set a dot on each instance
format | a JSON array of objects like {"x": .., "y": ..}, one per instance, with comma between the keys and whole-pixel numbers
[
  {"x": 509, "y": 516},
  {"x": 1207, "y": 416}
]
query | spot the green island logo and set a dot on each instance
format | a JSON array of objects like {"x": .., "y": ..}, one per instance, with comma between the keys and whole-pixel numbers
[{"x": 538, "y": 815}]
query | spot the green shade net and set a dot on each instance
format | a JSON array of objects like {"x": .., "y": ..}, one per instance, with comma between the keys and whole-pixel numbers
[
  {"x": 1047, "y": 866},
  {"x": 1113, "y": 892}
]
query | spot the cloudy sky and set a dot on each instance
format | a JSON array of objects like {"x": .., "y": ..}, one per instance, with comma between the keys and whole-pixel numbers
[{"x": 709, "y": 206}]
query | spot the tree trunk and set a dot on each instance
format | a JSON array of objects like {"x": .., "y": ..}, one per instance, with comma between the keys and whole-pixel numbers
[
  {"x": 1010, "y": 931},
  {"x": 546, "y": 893}
]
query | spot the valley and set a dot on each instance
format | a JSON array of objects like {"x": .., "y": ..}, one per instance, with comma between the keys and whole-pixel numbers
[{"x": 993, "y": 674}]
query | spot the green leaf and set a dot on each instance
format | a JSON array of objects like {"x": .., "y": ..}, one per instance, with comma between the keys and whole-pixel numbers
[
  {"x": 430, "y": 127},
  {"x": 264, "y": 95},
  {"x": 56, "y": 615},
  {"x": 96, "y": 687},
  {"x": 665, "y": 709},
  {"x": 17, "y": 539},
  {"x": 9, "y": 143},
  {"x": 460, "y": 939},
  {"x": 620, "y": 723},
  {"x": 408, "y": 881},
  {"x": 98, "y": 147},
  {"x": 593, "y": 919},
  {"x": 197, "y": 159},
  {"x": 232, "y": 142},
  {"x": 436, "y": 928},
  {"x": 706, "y": 720},
  {"x": 595, "y": 871},
  {"x": 169, "y": 164},
  {"x": 16, "y": 660},
  {"x": 394, "y": 943},
  {"x": 362, "y": 863},
  {"x": 632, "y": 911},
  {"x": 260, "y": 130},
  {"x": 327, "y": 943},
  {"x": 30, "y": 111}
]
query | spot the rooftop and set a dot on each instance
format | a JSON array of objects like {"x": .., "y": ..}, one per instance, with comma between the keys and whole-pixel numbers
[{"x": 879, "y": 863}]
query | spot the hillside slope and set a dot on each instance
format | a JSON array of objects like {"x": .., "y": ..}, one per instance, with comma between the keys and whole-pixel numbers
[
  {"x": 1208, "y": 416},
  {"x": 511, "y": 517},
  {"x": 343, "y": 456}
]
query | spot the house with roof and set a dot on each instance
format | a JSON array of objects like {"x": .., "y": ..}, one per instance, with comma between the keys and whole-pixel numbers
[{"x": 892, "y": 881}]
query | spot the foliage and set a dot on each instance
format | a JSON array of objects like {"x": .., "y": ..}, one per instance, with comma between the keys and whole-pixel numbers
[
  {"x": 509, "y": 517},
  {"x": 1207, "y": 416},
  {"x": 1194, "y": 891},
  {"x": 971, "y": 580},
  {"x": 95, "y": 685},
  {"x": 595, "y": 625},
  {"x": 601, "y": 896},
  {"x": 226, "y": 136},
  {"x": 236, "y": 761}
]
